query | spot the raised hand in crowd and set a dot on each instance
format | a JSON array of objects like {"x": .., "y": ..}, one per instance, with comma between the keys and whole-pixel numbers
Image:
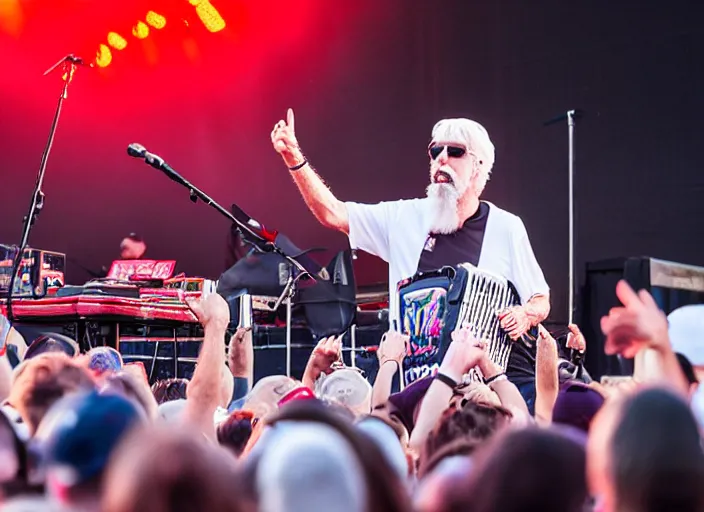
[
  {"x": 547, "y": 382},
  {"x": 327, "y": 352},
  {"x": 463, "y": 354},
  {"x": 393, "y": 347},
  {"x": 639, "y": 328},
  {"x": 636, "y": 325},
  {"x": 211, "y": 311},
  {"x": 205, "y": 390},
  {"x": 240, "y": 355},
  {"x": 575, "y": 339}
]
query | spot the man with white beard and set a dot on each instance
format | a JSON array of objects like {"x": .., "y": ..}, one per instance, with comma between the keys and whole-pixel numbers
[{"x": 449, "y": 226}]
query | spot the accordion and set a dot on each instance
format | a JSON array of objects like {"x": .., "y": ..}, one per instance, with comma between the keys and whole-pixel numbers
[{"x": 433, "y": 304}]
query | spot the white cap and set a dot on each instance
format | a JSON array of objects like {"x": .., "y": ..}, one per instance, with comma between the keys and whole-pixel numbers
[
  {"x": 348, "y": 387},
  {"x": 172, "y": 411},
  {"x": 387, "y": 440},
  {"x": 310, "y": 467},
  {"x": 686, "y": 330}
]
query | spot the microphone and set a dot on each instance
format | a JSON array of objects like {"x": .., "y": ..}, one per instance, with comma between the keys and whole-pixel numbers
[
  {"x": 576, "y": 114},
  {"x": 136, "y": 150},
  {"x": 77, "y": 61}
]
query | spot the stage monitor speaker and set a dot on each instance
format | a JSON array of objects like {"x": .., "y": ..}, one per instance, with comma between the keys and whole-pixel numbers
[{"x": 671, "y": 284}]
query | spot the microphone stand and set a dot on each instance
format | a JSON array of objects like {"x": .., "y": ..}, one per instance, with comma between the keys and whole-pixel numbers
[
  {"x": 69, "y": 64},
  {"x": 570, "y": 116},
  {"x": 250, "y": 234}
]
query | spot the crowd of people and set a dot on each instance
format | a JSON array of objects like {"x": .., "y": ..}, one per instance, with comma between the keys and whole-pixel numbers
[{"x": 87, "y": 432}]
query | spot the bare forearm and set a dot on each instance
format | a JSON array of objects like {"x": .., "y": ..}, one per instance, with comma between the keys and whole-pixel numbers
[
  {"x": 546, "y": 378},
  {"x": 310, "y": 375},
  {"x": 330, "y": 211},
  {"x": 508, "y": 393},
  {"x": 241, "y": 357},
  {"x": 659, "y": 365},
  {"x": 537, "y": 309},
  {"x": 382, "y": 384},
  {"x": 435, "y": 402},
  {"x": 204, "y": 389}
]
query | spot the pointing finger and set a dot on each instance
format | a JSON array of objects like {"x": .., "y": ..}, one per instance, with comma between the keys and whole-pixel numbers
[
  {"x": 290, "y": 119},
  {"x": 626, "y": 295},
  {"x": 647, "y": 300}
]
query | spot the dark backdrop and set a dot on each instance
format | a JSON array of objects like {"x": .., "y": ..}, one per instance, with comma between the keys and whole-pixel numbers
[{"x": 367, "y": 79}]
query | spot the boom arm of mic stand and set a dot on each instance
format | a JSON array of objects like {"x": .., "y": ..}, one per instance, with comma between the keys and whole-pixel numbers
[{"x": 248, "y": 234}]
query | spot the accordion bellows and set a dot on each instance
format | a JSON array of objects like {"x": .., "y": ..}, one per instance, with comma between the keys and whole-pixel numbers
[{"x": 434, "y": 304}]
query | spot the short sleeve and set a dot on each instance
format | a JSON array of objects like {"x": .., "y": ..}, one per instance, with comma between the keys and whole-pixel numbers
[
  {"x": 526, "y": 274},
  {"x": 370, "y": 225}
]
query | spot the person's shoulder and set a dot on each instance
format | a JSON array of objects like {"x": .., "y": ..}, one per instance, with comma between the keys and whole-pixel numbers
[
  {"x": 503, "y": 215},
  {"x": 402, "y": 206},
  {"x": 508, "y": 223},
  {"x": 414, "y": 202}
]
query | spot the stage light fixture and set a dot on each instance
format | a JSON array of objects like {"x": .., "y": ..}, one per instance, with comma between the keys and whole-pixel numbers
[
  {"x": 156, "y": 20},
  {"x": 116, "y": 41},
  {"x": 210, "y": 16},
  {"x": 104, "y": 56},
  {"x": 140, "y": 30}
]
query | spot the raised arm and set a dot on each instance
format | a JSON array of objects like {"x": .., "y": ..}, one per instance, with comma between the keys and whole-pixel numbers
[
  {"x": 330, "y": 211},
  {"x": 639, "y": 325},
  {"x": 204, "y": 391},
  {"x": 392, "y": 351}
]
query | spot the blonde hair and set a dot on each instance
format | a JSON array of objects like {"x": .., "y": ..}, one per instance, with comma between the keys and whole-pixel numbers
[{"x": 41, "y": 381}]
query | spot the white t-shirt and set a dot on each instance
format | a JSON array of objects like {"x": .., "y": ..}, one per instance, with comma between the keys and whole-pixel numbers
[{"x": 396, "y": 231}]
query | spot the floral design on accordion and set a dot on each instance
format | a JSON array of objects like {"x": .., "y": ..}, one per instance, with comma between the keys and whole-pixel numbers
[{"x": 423, "y": 312}]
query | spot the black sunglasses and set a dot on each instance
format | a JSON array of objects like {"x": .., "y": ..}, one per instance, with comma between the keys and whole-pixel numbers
[{"x": 452, "y": 151}]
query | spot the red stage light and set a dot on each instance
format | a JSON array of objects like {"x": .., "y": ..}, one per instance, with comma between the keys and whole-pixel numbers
[
  {"x": 156, "y": 20},
  {"x": 116, "y": 41},
  {"x": 140, "y": 30},
  {"x": 209, "y": 15},
  {"x": 104, "y": 56},
  {"x": 11, "y": 17}
]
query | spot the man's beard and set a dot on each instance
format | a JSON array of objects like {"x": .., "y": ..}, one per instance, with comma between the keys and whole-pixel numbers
[{"x": 445, "y": 198}]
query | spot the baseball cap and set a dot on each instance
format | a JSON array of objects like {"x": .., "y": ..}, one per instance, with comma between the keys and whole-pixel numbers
[
  {"x": 686, "y": 330},
  {"x": 576, "y": 405},
  {"x": 51, "y": 342},
  {"x": 78, "y": 434},
  {"x": 348, "y": 387},
  {"x": 104, "y": 359}
]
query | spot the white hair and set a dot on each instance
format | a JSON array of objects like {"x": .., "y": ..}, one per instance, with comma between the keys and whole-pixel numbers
[
  {"x": 310, "y": 466},
  {"x": 474, "y": 137}
]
